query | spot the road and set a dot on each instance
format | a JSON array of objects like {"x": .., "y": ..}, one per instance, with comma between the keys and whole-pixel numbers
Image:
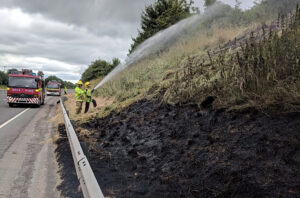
[{"x": 27, "y": 161}]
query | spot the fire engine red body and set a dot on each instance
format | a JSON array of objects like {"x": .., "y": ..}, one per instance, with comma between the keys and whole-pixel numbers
[
  {"x": 26, "y": 88},
  {"x": 53, "y": 88}
]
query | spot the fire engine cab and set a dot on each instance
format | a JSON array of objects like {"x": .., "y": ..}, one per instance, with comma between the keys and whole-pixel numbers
[
  {"x": 53, "y": 88},
  {"x": 26, "y": 87}
]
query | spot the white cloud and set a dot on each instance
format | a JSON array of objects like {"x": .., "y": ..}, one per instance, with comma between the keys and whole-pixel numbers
[
  {"x": 62, "y": 37},
  {"x": 48, "y": 43},
  {"x": 15, "y": 16},
  {"x": 50, "y": 67}
]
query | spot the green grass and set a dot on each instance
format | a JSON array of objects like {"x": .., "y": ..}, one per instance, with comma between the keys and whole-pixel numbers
[{"x": 3, "y": 86}]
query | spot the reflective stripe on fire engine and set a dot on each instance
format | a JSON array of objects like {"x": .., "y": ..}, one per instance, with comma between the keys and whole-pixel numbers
[
  {"x": 23, "y": 100},
  {"x": 52, "y": 89}
]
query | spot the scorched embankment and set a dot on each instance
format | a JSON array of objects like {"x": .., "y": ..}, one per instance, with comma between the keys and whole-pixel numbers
[{"x": 152, "y": 150}]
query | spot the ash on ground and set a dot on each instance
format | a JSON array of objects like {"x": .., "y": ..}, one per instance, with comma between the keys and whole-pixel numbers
[
  {"x": 69, "y": 186},
  {"x": 149, "y": 150}
]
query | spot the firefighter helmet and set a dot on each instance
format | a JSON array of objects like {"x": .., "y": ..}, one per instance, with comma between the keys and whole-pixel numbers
[
  {"x": 87, "y": 84},
  {"x": 79, "y": 82}
]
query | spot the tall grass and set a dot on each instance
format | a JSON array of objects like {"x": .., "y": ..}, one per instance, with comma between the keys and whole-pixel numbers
[
  {"x": 136, "y": 82},
  {"x": 258, "y": 69},
  {"x": 263, "y": 71}
]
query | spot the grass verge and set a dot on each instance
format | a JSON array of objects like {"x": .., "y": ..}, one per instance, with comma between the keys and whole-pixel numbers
[{"x": 258, "y": 66}]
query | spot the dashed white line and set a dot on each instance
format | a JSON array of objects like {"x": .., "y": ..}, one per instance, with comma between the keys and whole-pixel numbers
[{"x": 7, "y": 122}]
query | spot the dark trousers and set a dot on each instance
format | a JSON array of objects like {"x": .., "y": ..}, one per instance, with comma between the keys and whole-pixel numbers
[{"x": 87, "y": 105}]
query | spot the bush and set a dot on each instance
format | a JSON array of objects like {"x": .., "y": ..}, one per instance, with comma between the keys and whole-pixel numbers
[
  {"x": 98, "y": 69},
  {"x": 3, "y": 78}
]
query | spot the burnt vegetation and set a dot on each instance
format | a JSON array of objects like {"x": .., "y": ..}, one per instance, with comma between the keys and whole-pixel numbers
[{"x": 152, "y": 150}]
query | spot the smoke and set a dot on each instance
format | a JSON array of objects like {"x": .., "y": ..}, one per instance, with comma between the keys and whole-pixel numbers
[{"x": 166, "y": 38}]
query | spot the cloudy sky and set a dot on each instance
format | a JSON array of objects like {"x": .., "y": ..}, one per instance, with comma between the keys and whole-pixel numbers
[{"x": 62, "y": 37}]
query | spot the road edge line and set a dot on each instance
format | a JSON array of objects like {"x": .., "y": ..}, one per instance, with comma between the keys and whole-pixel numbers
[{"x": 10, "y": 120}]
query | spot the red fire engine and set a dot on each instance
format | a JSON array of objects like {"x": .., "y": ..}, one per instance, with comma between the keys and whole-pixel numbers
[
  {"x": 53, "y": 88},
  {"x": 26, "y": 87}
]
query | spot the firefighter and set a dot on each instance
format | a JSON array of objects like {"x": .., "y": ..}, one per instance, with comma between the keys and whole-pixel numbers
[
  {"x": 88, "y": 97},
  {"x": 79, "y": 96},
  {"x": 65, "y": 90}
]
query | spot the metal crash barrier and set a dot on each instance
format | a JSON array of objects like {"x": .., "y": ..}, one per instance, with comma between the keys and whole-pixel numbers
[{"x": 89, "y": 185}]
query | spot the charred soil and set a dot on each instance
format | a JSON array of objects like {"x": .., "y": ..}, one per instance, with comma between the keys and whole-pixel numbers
[
  {"x": 152, "y": 150},
  {"x": 69, "y": 186}
]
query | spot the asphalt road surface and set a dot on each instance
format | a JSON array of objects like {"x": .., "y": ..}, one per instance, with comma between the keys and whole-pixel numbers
[{"x": 27, "y": 162}]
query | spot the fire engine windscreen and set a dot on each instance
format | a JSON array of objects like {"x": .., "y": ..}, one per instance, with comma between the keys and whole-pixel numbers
[
  {"x": 52, "y": 86},
  {"x": 22, "y": 82}
]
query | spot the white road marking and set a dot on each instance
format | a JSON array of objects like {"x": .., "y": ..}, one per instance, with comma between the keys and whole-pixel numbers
[{"x": 7, "y": 122}]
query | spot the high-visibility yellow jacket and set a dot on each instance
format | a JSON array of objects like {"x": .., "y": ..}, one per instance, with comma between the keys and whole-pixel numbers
[
  {"x": 88, "y": 95},
  {"x": 79, "y": 94}
]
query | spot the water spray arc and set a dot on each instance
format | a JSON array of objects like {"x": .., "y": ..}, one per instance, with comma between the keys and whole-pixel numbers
[{"x": 165, "y": 39}]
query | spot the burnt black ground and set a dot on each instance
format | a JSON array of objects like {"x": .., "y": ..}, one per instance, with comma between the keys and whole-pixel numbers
[
  {"x": 69, "y": 186},
  {"x": 149, "y": 150}
]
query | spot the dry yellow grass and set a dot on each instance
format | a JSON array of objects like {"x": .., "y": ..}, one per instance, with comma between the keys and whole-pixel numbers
[
  {"x": 137, "y": 81},
  {"x": 94, "y": 82},
  {"x": 71, "y": 107},
  {"x": 201, "y": 41},
  {"x": 58, "y": 118}
]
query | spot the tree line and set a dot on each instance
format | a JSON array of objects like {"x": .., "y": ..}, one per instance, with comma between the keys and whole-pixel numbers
[{"x": 4, "y": 79}]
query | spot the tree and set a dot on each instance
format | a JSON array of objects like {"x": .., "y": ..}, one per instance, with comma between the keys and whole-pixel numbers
[
  {"x": 11, "y": 70},
  {"x": 115, "y": 62},
  {"x": 69, "y": 85},
  {"x": 208, "y": 3},
  {"x": 3, "y": 78},
  {"x": 161, "y": 15},
  {"x": 50, "y": 78},
  {"x": 99, "y": 68},
  {"x": 237, "y": 4}
]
